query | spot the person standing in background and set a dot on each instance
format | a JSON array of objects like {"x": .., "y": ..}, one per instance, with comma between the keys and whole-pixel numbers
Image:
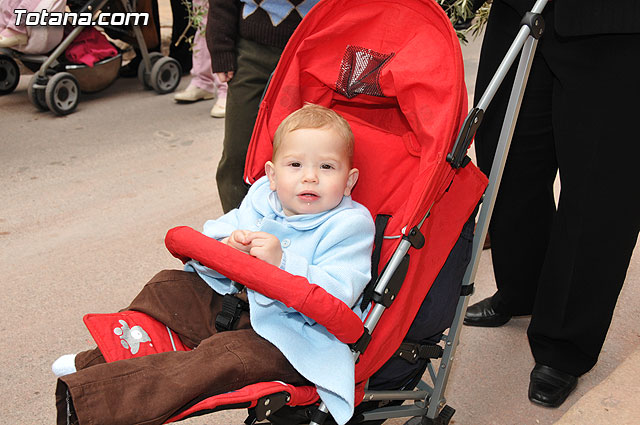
[
  {"x": 204, "y": 83},
  {"x": 564, "y": 265},
  {"x": 245, "y": 40}
]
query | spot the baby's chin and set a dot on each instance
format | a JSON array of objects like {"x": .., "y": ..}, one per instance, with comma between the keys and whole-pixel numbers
[{"x": 311, "y": 207}]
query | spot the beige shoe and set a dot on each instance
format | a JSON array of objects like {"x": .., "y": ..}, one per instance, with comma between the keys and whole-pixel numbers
[
  {"x": 219, "y": 108},
  {"x": 13, "y": 40},
  {"x": 192, "y": 94}
]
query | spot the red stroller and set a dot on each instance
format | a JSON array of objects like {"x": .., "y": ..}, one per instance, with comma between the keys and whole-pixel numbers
[{"x": 393, "y": 69}]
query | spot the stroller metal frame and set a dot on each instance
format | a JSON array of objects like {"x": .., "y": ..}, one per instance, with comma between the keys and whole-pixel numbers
[{"x": 429, "y": 401}]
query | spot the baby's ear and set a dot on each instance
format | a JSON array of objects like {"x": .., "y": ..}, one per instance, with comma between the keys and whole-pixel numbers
[
  {"x": 270, "y": 171},
  {"x": 351, "y": 181}
]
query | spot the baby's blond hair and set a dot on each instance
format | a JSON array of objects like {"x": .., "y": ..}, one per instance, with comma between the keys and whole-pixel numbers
[{"x": 315, "y": 116}]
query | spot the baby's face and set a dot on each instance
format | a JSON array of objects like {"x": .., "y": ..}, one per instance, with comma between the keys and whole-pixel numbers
[{"x": 311, "y": 171}]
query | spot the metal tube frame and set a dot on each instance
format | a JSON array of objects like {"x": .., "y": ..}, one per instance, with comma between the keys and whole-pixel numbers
[{"x": 431, "y": 399}]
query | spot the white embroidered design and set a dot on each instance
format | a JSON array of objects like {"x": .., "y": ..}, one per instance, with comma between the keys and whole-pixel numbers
[{"x": 131, "y": 338}]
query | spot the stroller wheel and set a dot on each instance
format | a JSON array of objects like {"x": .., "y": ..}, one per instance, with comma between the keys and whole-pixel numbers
[
  {"x": 9, "y": 74},
  {"x": 144, "y": 74},
  {"x": 62, "y": 93},
  {"x": 35, "y": 91},
  {"x": 165, "y": 75}
]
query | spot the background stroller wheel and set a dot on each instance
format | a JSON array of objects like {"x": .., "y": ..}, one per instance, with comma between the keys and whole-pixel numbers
[
  {"x": 9, "y": 74},
  {"x": 62, "y": 93},
  {"x": 165, "y": 75},
  {"x": 36, "y": 94},
  {"x": 144, "y": 74}
]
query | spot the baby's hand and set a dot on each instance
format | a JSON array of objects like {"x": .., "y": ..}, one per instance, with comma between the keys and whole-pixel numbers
[
  {"x": 265, "y": 246},
  {"x": 238, "y": 240}
]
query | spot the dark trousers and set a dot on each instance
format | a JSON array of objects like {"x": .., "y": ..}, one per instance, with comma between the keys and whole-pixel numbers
[
  {"x": 152, "y": 388},
  {"x": 565, "y": 266},
  {"x": 182, "y": 52},
  {"x": 256, "y": 62}
]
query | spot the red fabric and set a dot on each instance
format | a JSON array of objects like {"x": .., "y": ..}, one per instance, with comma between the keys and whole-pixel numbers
[
  {"x": 294, "y": 291},
  {"x": 129, "y": 334},
  {"x": 442, "y": 230},
  {"x": 300, "y": 396},
  {"x": 402, "y": 139},
  {"x": 89, "y": 47}
]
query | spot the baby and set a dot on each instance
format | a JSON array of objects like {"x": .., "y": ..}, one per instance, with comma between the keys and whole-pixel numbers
[{"x": 299, "y": 217}]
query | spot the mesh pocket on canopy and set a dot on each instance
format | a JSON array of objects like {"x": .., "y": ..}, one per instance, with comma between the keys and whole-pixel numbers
[{"x": 360, "y": 72}]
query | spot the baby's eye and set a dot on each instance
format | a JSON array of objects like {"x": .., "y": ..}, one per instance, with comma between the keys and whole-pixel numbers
[
  {"x": 295, "y": 164},
  {"x": 326, "y": 166}
]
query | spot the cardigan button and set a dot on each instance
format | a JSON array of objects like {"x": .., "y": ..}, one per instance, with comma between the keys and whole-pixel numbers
[{"x": 286, "y": 243}]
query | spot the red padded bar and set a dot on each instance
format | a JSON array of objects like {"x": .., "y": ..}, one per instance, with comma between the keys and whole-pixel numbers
[{"x": 296, "y": 292}]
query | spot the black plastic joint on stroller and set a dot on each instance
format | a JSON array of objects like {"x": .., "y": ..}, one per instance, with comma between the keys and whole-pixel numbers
[
  {"x": 265, "y": 406},
  {"x": 458, "y": 155},
  {"x": 535, "y": 22}
]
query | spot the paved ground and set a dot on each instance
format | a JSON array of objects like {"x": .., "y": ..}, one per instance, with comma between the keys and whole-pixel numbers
[{"x": 86, "y": 200}]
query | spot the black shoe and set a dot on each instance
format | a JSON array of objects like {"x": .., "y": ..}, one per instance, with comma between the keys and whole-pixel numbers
[
  {"x": 482, "y": 314},
  {"x": 550, "y": 387}
]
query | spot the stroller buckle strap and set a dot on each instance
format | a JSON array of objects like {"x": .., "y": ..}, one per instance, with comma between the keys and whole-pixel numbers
[
  {"x": 412, "y": 352},
  {"x": 232, "y": 308},
  {"x": 361, "y": 344}
]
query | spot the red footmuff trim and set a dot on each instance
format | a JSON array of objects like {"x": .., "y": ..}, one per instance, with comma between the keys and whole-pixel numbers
[
  {"x": 251, "y": 394},
  {"x": 129, "y": 334}
]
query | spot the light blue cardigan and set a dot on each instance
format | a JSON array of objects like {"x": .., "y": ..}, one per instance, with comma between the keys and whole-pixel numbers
[{"x": 331, "y": 249}]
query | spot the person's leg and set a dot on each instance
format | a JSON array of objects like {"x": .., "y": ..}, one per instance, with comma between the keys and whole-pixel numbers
[
  {"x": 12, "y": 35},
  {"x": 153, "y": 388},
  {"x": 186, "y": 304},
  {"x": 180, "y": 300},
  {"x": 219, "y": 109},
  {"x": 524, "y": 208},
  {"x": 181, "y": 52},
  {"x": 202, "y": 76},
  {"x": 256, "y": 62},
  {"x": 8, "y": 17},
  {"x": 598, "y": 218}
]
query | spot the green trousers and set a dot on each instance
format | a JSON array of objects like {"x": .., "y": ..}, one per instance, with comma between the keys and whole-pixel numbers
[{"x": 256, "y": 62}]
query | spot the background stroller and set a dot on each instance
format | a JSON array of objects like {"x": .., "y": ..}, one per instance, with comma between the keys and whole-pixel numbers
[{"x": 56, "y": 84}]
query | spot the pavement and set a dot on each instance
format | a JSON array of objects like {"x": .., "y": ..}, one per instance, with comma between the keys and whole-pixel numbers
[{"x": 86, "y": 201}]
